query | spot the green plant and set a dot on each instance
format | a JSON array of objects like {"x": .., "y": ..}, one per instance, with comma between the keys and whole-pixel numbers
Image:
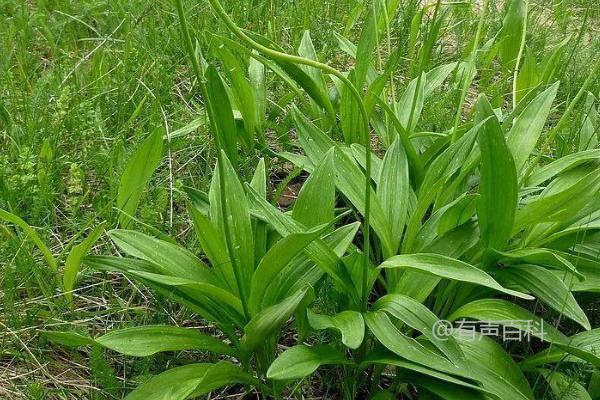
[
  {"x": 524, "y": 240},
  {"x": 458, "y": 218},
  {"x": 277, "y": 266},
  {"x": 469, "y": 208}
]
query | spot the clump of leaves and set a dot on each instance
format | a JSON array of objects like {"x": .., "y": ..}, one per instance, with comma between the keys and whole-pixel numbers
[
  {"x": 464, "y": 222},
  {"x": 249, "y": 291}
]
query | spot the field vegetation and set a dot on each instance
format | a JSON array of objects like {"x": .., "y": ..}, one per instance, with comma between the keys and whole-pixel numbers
[{"x": 299, "y": 199}]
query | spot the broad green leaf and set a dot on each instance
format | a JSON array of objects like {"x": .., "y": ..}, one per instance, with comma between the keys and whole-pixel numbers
[
  {"x": 199, "y": 199},
  {"x": 118, "y": 264},
  {"x": 447, "y": 392},
  {"x": 378, "y": 84},
  {"x": 351, "y": 120},
  {"x": 588, "y": 134},
  {"x": 459, "y": 212},
  {"x": 210, "y": 302},
  {"x": 566, "y": 210},
  {"x": 436, "y": 76},
  {"x": 359, "y": 153},
  {"x": 142, "y": 341},
  {"x": 393, "y": 192},
  {"x": 590, "y": 269},
  {"x": 238, "y": 219},
  {"x": 305, "y": 81},
  {"x": 294, "y": 71},
  {"x": 192, "y": 380},
  {"x": 269, "y": 320},
  {"x": 587, "y": 341},
  {"x": 315, "y": 204},
  {"x": 528, "y": 126},
  {"x": 511, "y": 32},
  {"x": 364, "y": 49},
  {"x": 271, "y": 65},
  {"x": 32, "y": 234},
  {"x": 349, "y": 323},
  {"x": 302, "y": 270},
  {"x": 221, "y": 114},
  {"x": 538, "y": 256},
  {"x": 446, "y": 219},
  {"x": 350, "y": 179},
  {"x": 389, "y": 135},
  {"x": 169, "y": 259},
  {"x": 221, "y": 296},
  {"x": 554, "y": 204},
  {"x": 409, "y": 107},
  {"x": 455, "y": 244},
  {"x": 345, "y": 45},
  {"x": 561, "y": 165},
  {"x": 552, "y": 61},
  {"x": 314, "y": 142},
  {"x": 213, "y": 245},
  {"x": 438, "y": 174},
  {"x": 497, "y": 187},
  {"x": 137, "y": 173},
  {"x": 260, "y": 228},
  {"x": 417, "y": 316},
  {"x": 242, "y": 89},
  {"x": 307, "y": 50},
  {"x": 256, "y": 75},
  {"x": 509, "y": 314},
  {"x": 494, "y": 367},
  {"x": 408, "y": 348},
  {"x": 528, "y": 77},
  {"x": 320, "y": 253},
  {"x": 275, "y": 261},
  {"x": 548, "y": 288},
  {"x": 300, "y": 361},
  {"x": 354, "y": 263},
  {"x": 374, "y": 91},
  {"x": 422, "y": 373},
  {"x": 504, "y": 312},
  {"x": 223, "y": 374},
  {"x": 564, "y": 387},
  {"x": 448, "y": 268},
  {"x": 259, "y": 179},
  {"x": 204, "y": 299},
  {"x": 75, "y": 257}
]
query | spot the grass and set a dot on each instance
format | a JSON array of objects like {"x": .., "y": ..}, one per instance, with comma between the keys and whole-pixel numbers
[{"x": 82, "y": 85}]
